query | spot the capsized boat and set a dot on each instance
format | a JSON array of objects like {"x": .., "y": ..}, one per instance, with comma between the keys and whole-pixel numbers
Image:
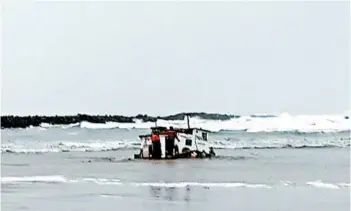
[{"x": 192, "y": 143}]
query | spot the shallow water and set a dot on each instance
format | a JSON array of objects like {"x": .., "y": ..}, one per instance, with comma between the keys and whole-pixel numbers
[{"x": 257, "y": 178}]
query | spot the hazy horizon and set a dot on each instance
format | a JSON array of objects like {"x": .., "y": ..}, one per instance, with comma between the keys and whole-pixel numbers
[
  {"x": 163, "y": 58},
  {"x": 342, "y": 113}
]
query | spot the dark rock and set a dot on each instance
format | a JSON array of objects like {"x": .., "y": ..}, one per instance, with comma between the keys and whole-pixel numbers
[{"x": 26, "y": 121}]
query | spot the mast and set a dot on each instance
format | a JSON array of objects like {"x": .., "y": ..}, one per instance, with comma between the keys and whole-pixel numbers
[{"x": 187, "y": 120}]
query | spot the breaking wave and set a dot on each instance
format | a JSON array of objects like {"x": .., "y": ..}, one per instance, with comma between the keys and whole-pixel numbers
[
  {"x": 242, "y": 132},
  {"x": 55, "y": 179},
  {"x": 101, "y": 146},
  {"x": 92, "y": 146},
  {"x": 280, "y": 144},
  {"x": 251, "y": 124},
  {"x": 320, "y": 184}
]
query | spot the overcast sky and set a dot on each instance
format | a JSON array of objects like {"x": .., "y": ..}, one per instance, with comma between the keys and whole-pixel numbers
[{"x": 161, "y": 58}]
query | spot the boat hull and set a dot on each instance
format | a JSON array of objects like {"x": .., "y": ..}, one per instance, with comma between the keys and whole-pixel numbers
[
  {"x": 187, "y": 155},
  {"x": 188, "y": 143}
]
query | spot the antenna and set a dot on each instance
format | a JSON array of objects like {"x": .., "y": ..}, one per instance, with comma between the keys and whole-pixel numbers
[{"x": 187, "y": 119}]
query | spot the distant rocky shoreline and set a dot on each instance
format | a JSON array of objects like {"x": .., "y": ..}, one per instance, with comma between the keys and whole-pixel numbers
[{"x": 27, "y": 121}]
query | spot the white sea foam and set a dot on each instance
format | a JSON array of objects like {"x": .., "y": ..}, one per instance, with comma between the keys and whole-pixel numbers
[
  {"x": 105, "y": 181},
  {"x": 70, "y": 125},
  {"x": 252, "y": 123},
  {"x": 287, "y": 183},
  {"x": 107, "y": 125},
  {"x": 281, "y": 143},
  {"x": 56, "y": 179},
  {"x": 320, "y": 184},
  {"x": 282, "y": 123},
  {"x": 67, "y": 146},
  {"x": 111, "y": 196},
  {"x": 46, "y": 125},
  {"x": 189, "y": 184},
  {"x": 46, "y": 146},
  {"x": 344, "y": 184},
  {"x": 101, "y": 181},
  {"x": 32, "y": 179},
  {"x": 113, "y": 181},
  {"x": 101, "y": 145},
  {"x": 265, "y": 123}
]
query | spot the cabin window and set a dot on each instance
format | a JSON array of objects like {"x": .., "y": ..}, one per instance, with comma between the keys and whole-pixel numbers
[
  {"x": 198, "y": 137},
  {"x": 204, "y": 136},
  {"x": 188, "y": 142}
]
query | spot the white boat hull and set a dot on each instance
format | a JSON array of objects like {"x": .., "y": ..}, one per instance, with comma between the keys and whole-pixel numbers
[{"x": 194, "y": 144}]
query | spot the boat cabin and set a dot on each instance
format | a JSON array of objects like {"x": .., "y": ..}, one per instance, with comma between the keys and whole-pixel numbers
[{"x": 190, "y": 140}]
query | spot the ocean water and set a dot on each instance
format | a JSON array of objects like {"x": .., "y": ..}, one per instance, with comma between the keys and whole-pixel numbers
[{"x": 89, "y": 167}]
